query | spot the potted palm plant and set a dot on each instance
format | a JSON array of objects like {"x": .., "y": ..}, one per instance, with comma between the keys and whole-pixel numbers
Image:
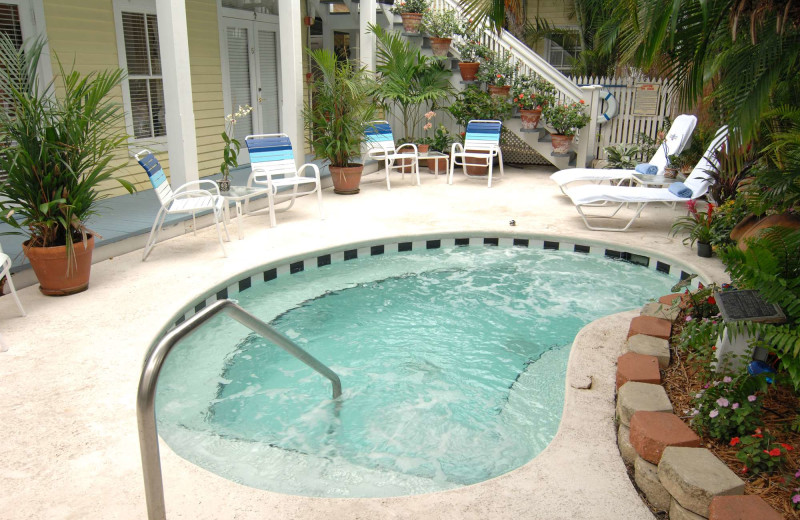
[
  {"x": 63, "y": 147},
  {"x": 337, "y": 117}
]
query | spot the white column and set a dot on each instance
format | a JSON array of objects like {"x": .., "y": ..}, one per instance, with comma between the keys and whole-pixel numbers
[
  {"x": 174, "y": 47},
  {"x": 366, "y": 41},
  {"x": 291, "y": 23}
]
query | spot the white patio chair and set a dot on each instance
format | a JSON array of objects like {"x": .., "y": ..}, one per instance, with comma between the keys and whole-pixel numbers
[
  {"x": 5, "y": 270},
  {"x": 698, "y": 182},
  {"x": 271, "y": 155},
  {"x": 188, "y": 198},
  {"x": 380, "y": 146},
  {"x": 676, "y": 139},
  {"x": 482, "y": 142}
]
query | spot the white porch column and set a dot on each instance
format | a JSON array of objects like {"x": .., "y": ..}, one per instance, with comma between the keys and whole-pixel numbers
[
  {"x": 291, "y": 23},
  {"x": 181, "y": 138},
  {"x": 366, "y": 40}
]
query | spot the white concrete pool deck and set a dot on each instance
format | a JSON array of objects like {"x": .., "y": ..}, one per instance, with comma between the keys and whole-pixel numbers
[{"x": 68, "y": 434}]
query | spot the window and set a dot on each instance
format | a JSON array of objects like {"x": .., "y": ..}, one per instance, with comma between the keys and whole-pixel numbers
[{"x": 562, "y": 49}]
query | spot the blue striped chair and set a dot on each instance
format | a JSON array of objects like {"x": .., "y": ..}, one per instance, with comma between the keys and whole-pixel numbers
[
  {"x": 272, "y": 164},
  {"x": 481, "y": 144},
  {"x": 189, "y": 198},
  {"x": 380, "y": 146}
]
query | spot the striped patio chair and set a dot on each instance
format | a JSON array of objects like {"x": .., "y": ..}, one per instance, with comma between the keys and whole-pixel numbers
[
  {"x": 5, "y": 270},
  {"x": 272, "y": 163},
  {"x": 189, "y": 198},
  {"x": 380, "y": 146},
  {"x": 481, "y": 146}
]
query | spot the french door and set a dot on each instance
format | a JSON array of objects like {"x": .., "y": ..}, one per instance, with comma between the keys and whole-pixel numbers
[{"x": 251, "y": 60}]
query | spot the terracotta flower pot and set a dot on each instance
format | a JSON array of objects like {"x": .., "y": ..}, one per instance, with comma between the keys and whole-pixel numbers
[
  {"x": 561, "y": 143},
  {"x": 422, "y": 148},
  {"x": 475, "y": 165},
  {"x": 411, "y": 22},
  {"x": 496, "y": 91},
  {"x": 530, "y": 118},
  {"x": 437, "y": 165},
  {"x": 51, "y": 267},
  {"x": 468, "y": 69},
  {"x": 440, "y": 46},
  {"x": 346, "y": 178}
]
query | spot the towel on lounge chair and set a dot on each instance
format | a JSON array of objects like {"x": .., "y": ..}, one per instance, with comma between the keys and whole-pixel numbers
[
  {"x": 647, "y": 168},
  {"x": 680, "y": 189}
]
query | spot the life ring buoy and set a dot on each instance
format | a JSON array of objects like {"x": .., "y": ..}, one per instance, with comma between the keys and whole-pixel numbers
[{"x": 611, "y": 107}]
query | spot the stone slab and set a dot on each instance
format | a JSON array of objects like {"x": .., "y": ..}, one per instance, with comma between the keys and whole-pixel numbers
[
  {"x": 624, "y": 443},
  {"x": 743, "y": 507},
  {"x": 650, "y": 346},
  {"x": 650, "y": 326},
  {"x": 660, "y": 310},
  {"x": 637, "y": 367},
  {"x": 634, "y": 396},
  {"x": 694, "y": 476},
  {"x": 652, "y": 432},
  {"x": 670, "y": 299},
  {"x": 678, "y": 512},
  {"x": 646, "y": 477}
]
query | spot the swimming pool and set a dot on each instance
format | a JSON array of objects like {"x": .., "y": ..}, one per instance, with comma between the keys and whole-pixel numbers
[{"x": 470, "y": 356}]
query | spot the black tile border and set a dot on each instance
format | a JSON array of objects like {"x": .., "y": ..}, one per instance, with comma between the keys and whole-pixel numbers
[{"x": 273, "y": 270}]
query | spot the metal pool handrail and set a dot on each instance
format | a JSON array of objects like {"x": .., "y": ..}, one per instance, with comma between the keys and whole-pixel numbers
[{"x": 146, "y": 395}]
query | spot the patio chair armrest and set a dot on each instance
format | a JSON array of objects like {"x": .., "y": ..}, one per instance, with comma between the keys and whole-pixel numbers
[
  {"x": 191, "y": 193},
  {"x": 195, "y": 187},
  {"x": 456, "y": 148},
  {"x": 412, "y": 145},
  {"x": 259, "y": 172},
  {"x": 309, "y": 165}
]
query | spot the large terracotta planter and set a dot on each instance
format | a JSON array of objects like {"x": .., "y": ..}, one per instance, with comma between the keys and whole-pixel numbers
[
  {"x": 475, "y": 165},
  {"x": 530, "y": 118},
  {"x": 411, "y": 22},
  {"x": 437, "y": 165},
  {"x": 346, "y": 178},
  {"x": 56, "y": 276},
  {"x": 440, "y": 46},
  {"x": 496, "y": 91},
  {"x": 468, "y": 69},
  {"x": 561, "y": 143},
  {"x": 752, "y": 226},
  {"x": 422, "y": 148}
]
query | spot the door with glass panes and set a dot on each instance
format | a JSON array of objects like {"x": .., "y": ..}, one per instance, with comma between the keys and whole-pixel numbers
[{"x": 253, "y": 64}]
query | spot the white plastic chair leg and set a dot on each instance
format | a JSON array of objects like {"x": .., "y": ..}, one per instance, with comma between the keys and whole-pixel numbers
[
  {"x": 219, "y": 233},
  {"x": 388, "y": 164},
  {"x": 7, "y": 273},
  {"x": 319, "y": 200},
  {"x": 154, "y": 231},
  {"x": 491, "y": 168},
  {"x": 416, "y": 168},
  {"x": 194, "y": 223}
]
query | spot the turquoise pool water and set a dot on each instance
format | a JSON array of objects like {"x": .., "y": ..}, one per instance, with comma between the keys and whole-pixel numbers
[{"x": 452, "y": 365}]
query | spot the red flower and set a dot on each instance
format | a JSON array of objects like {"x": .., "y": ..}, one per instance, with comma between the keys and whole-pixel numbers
[
  {"x": 735, "y": 441},
  {"x": 744, "y": 469},
  {"x": 712, "y": 300},
  {"x": 713, "y": 348},
  {"x": 499, "y": 75},
  {"x": 787, "y": 447},
  {"x": 775, "y": 452},
  {"x": 766, "y": 451},
  {"x": 700, "y": 285},
  {"x": 581, "y": 102},
  {"x": 757, "y": 436}
]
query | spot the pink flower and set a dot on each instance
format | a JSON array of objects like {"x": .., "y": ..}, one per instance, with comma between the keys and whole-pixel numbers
[
  {"x": 734, "y": 406},
  {"x": 796, "y": 499},
  {"x": 713, "y": 413},
  {"x": 723, "y": 402},
  {"x": 429, "y": 115},
  {"x": 688, "y": 319},
  {"x": 726, "y": 379},
  {"x": 751, "y": 398},
  {"x": 427, "y": 126}
]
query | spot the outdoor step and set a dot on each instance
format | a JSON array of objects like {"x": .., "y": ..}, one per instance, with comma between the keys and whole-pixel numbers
[
  {"x": 650, "y": 326},
  {"x": 660, "y": 310},
  {"x": 624, "y": 443},
  {"x": 652, "y": 432},
  {"x": 646, "y": 477},
  {"x": 694, "y": 476},
  {"x": 633, "y": 397},
  {"x": 670, "y": 299},
  {"x": 678, "y": 512},
  {"x": 650, "y": 346},
  {"x": 637, "y": 367},
  {"x": 744, "y": 507}
]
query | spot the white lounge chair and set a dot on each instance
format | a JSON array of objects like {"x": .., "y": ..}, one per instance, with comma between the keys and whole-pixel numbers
[
  {"x": 676, "y": 139},
  {"x": 5, "y": 270},
  {"x": 594, "y": 194},
  {"x": 481, "y": 142},
  {"x": 272, "y": 164},
  {"x": 188, "y": 198},
  {"x": 380, "y": 146}
]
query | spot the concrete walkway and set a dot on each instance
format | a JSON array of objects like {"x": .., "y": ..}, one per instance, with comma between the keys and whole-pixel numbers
[{"x": 69, "y": 434}]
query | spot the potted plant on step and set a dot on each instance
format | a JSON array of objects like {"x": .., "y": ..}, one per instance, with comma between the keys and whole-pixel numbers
[
  {"x": 566, "y": 120},
  {"x": 698, "y": 226},
  {"x": 338, "y": 116},
  {"x": 411, "y": 12},
  {"x": 471, "y": 51},
  {"x": 441, "y": 25},
  {"x": 498, "y": 74},
  {"x": 65, "y": 145},
  {"x": 531, "y": 95}
]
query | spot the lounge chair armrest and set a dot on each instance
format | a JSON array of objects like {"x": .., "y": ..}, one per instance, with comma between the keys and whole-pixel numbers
[
  {"x": 195, "y": 186},
  {"x": 309, "y": 165},
  {"x": 412, "y": 145},
  {"x": 259, "y": 172},
  {"x": 456, "y": 148}
]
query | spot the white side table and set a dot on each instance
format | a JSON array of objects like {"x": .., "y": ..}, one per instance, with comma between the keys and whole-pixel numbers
[
  {"x": 435, "y": 156},
  {"x": 237, "y": 194}
]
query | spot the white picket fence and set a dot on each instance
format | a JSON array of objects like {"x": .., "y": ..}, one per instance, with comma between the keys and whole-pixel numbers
[{"x": 626, "y": 127}]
